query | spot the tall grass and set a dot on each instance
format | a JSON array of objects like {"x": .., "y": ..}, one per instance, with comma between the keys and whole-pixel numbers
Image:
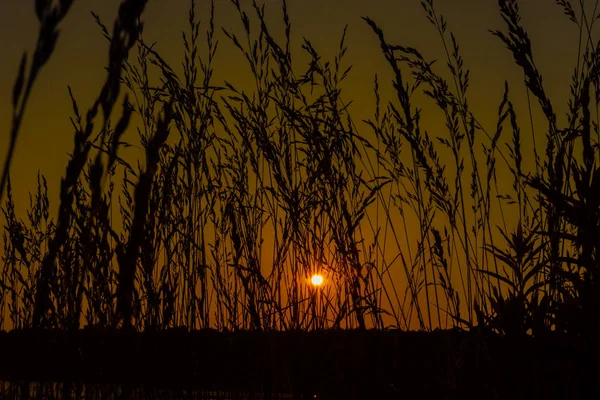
[
  {"x": 245, "y": 193},
  {"x": 49, "y": 17}
]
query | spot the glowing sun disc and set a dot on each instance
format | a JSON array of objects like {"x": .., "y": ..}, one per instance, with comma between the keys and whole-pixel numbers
[{"x": 317, "y": 280}]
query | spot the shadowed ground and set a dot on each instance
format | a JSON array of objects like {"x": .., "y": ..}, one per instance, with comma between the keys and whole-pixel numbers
[{"x": 332, "y": 364}]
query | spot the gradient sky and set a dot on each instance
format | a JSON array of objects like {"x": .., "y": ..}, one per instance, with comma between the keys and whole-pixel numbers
[{"x": 81, "y": 55}]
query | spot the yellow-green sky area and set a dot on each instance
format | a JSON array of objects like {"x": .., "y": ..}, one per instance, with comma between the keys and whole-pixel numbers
[{"x": 81, "y": 55}]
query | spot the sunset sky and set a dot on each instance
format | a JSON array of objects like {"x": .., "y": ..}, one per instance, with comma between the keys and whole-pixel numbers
[{"x": 79, "y": 60}]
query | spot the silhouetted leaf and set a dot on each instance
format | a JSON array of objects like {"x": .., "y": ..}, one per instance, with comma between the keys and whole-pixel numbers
[
  {"x": 499, "y": 277},
  {"x": 41, "y": 7},
  {"x": 18, "y": 87}
]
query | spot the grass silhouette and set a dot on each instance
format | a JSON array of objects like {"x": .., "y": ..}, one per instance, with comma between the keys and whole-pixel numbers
[{"x": 243, "y": 195}]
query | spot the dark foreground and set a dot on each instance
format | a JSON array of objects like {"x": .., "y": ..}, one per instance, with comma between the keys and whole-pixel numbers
[{"x": 328, "y": 364}]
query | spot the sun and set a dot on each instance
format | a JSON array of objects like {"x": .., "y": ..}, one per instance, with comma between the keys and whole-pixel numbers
[{"x": 316, "y": 280}]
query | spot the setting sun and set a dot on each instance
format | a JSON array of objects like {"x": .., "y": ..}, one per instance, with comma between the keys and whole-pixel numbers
[{"x": 316, "y": 280}]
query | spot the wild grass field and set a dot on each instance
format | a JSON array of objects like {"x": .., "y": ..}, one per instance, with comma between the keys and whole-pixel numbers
[{"x": 243, "y": 194}]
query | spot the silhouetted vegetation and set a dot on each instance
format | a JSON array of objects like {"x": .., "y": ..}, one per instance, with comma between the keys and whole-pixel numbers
[{"x": 243, "y": 195}]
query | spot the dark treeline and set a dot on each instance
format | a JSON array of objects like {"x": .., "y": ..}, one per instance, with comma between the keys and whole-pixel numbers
[{"x": 329, "y": 364}]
